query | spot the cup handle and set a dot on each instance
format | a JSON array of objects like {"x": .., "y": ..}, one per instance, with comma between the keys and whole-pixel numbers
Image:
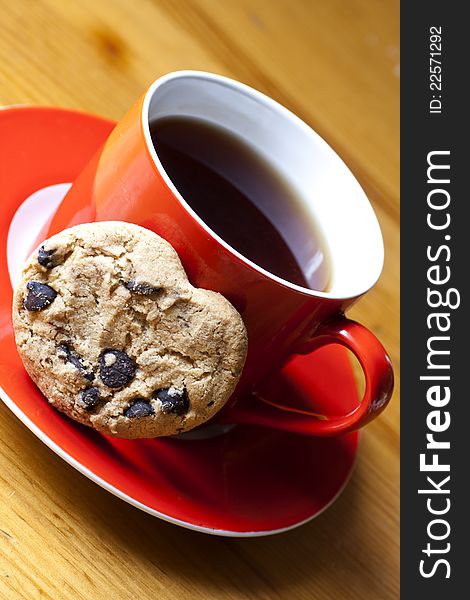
[{"x": 378, "y": 374}]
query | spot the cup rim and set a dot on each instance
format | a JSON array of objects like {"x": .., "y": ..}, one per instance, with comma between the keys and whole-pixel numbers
[{"x": 286, "y": 113}]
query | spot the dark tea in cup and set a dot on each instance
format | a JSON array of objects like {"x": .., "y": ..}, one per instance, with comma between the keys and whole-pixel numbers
[{"x": 243, "y": 199}]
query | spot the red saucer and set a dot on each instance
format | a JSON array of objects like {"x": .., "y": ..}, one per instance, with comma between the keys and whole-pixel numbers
[{"x": 249, "y": 481}]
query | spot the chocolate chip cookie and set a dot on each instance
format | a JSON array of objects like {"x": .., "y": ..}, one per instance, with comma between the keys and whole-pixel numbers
[{"x": 112, "y": 332}]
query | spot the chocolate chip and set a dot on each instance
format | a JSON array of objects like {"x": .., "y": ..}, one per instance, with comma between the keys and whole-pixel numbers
[
  {"x": 90, "y": 397},
  {"x": 72, "y": 357},
  {"x": 116, "y": 368},
  {"x": 140, "y": 408},
  {"x": 173, "y": 401},
  {"x": 45, "y": 258},
  {"x": 40, "y": 296},
  {"x": 142, "y": 288}
]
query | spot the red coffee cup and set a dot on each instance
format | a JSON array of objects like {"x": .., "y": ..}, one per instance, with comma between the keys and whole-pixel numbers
[{"x": 126, "y": 181}]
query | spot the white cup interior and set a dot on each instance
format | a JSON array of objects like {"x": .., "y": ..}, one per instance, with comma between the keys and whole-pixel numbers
[{"x": 327, "y": 188}]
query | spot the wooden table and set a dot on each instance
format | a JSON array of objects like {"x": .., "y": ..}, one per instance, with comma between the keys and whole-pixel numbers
[{"x": 336, "y": 64}]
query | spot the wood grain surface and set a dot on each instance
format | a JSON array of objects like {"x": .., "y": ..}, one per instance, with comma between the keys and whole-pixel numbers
[{"x": 336, "y": 64}]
